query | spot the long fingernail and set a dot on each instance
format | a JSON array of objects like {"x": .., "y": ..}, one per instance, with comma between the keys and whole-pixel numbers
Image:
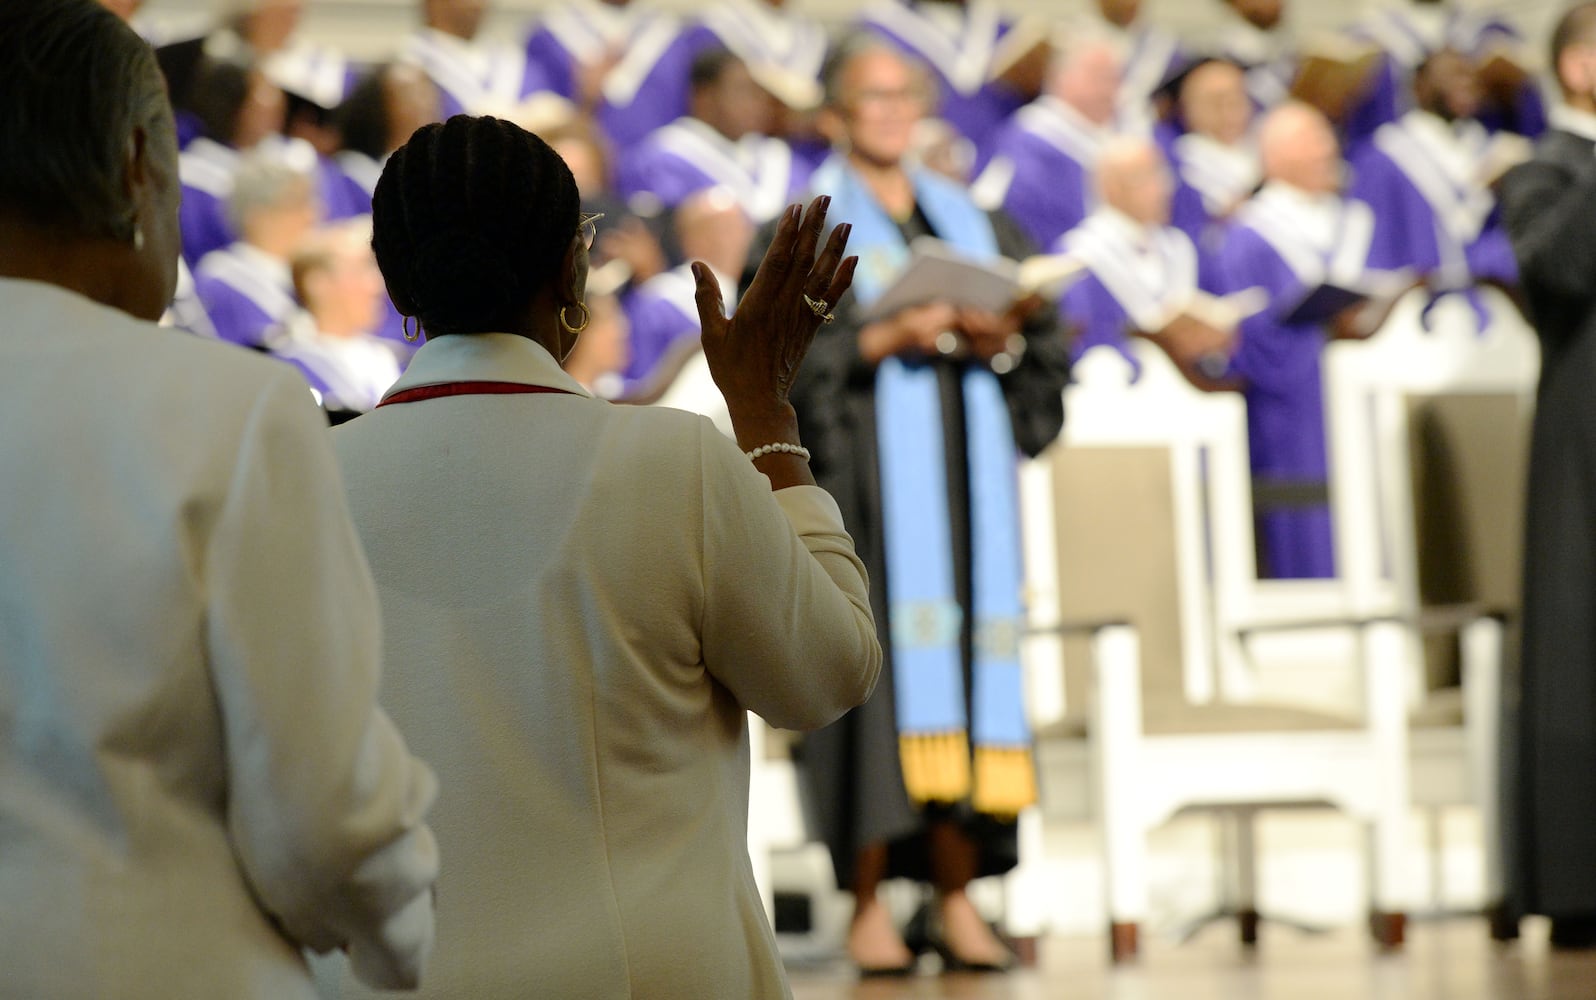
[
  {"x": 847, "y": 231},
  {"x": 825, "y": 202},
  {"x": 795, "y": 212}
]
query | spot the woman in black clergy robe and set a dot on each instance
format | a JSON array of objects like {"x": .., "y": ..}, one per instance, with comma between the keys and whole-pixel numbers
[
  {"x": 1549, "y": 816},
  {"x": 853, "y": 779}
]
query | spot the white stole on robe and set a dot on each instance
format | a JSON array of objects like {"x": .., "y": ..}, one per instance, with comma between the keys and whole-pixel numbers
[
  {"x": 762, "y": 35},
  {"x": 1151, "y": 271},
  {"x": 484, "y": 78},
  {"x": 756, "y": 169},
  {"x": 262, "y": 279},
  {"x": 959, "y": 43},
  {"x": 1223, "y": 175},
  {"x": 1442, "y": 164},
  {"x": 1322, "y": 239}
]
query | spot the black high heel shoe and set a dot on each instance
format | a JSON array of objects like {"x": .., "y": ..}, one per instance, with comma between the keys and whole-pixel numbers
[{"x": 935, "y": 939}]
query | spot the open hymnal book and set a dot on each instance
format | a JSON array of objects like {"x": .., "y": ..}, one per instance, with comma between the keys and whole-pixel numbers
[
  {"x": 938, "y": 272},
  {"x": 1376, "y": 291}
]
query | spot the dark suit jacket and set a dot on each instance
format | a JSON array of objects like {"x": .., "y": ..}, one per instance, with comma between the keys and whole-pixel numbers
[{"x": 1549, "y": 778}]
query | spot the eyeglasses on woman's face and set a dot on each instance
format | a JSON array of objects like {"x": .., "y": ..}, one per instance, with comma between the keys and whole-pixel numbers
[{"x": 587, "y": 226}]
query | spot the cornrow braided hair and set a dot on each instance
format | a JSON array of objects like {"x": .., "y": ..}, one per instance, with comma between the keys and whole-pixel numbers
[{"x": 470, "y": 221}]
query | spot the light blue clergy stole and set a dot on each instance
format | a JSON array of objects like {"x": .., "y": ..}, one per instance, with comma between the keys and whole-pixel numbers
[{"x": 936, "y": 729}]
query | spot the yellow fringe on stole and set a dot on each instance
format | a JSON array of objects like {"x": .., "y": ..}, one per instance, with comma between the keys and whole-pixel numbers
[
  {"x": 1005, "y": 781},
  {"x": 936, "y": 766}
]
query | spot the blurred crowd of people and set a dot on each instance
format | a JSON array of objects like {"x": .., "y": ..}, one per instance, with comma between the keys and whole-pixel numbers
[{"x": 1149, "y": 157}]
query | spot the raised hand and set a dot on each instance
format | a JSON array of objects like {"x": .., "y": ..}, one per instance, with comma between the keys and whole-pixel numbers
[{"x": 754, "y": 354}]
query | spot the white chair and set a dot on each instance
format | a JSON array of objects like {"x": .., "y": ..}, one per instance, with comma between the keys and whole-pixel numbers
[
  {"x": 1151, "y": 519},
  {"x": 1428, "y": 433}
]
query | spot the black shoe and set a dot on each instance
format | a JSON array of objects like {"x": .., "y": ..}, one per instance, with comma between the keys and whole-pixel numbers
[
  {"x": 953, "y": 963},
  {"x": 1574, "y": 933},
  {"x": 888, "y": 971}
]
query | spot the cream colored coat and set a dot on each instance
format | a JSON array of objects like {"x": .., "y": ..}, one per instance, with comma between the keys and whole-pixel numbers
[
  {"x": 194, "y": 780},
  {"x": 581, "y": 601}
]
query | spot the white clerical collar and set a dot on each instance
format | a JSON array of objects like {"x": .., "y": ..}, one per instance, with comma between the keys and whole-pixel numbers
[
  {"x": 1573, "y": 120},
  {"x": 1458, "y": 145},
  {"x": 1241, "y": 156},
  {"x": 1118, "y": 226},
  {"x": 1316, "y": 217}
]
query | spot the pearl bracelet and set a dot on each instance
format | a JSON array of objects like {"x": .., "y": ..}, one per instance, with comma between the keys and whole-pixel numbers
[{"x": 780, "y": 446}]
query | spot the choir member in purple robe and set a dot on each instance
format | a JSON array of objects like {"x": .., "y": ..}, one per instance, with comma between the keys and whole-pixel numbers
[
  {"x": 1433, "y": 209},
  {"x": 1295, "y": 236},
  {"x": 237, "y": 109},
  {"x": 576, "y": 43},
  {"x": 710, "y": 227},
  {"x": 330, "y": 340},
  {"x": 1215, "y": 157},
  {"x": 649, "y": 86},
  {"x": 247, "y": 288},
  {"x": 1042, "y": 158},
  {"x": 966, "y": 44},
  {"x": 1408, "y": 32},
  {"x": 1255, "y": 38},
  {"x": 721, "y": 143},
  {"x": 1149, "y": 55},
  {"x": 474, "y": 75},
  {"x": 1143, "y": 274}
]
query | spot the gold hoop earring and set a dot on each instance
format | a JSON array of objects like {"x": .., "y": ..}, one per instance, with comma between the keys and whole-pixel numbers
[
  {"x": 405, "y": 325},
  {"x": 576, "y": 327}
]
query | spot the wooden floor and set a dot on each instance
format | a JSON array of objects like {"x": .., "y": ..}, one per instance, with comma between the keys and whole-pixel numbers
[{"x": 1452, "y": 960}]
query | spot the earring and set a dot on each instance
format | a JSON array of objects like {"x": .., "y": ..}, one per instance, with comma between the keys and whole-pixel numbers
[
  {"x": 138, "y": 237},
  {"x": 404, "y": 325},
  {"x": 575, "y": 327}
]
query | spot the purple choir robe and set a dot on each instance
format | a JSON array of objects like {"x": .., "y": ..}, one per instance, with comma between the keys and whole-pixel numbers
[
  {"x": 1211, "y": 180},
  {"x": 1407, "y": 37},
  {"x": 688, "y": 156},
  {"x": 649, "y": 87},
  {"x": 475, "y": 78},
  {"x": 1040, "y": 169},
  {"x": 205, "y": 169},
  {"x": 346, "y": 373},
  {"x": 1273, "y": 245},
  {"x": 1137, "y": 279},
  {"x": 245, "y": 293},
  {"x": 572, "y": 35},
  {"x": 662, "y": 313},
  {"x": 1431, "y": 213},
  {"x": 959, "y": 48}
]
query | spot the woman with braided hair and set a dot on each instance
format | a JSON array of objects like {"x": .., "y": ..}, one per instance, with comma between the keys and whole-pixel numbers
[{"x": 582, "y": 599}]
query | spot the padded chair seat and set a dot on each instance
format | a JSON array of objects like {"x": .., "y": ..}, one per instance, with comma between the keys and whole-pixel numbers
[{"x": 1181, "y": 719}]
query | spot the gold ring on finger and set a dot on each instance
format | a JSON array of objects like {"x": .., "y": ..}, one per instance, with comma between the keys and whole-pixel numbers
[{"x": 818, "y": 307}]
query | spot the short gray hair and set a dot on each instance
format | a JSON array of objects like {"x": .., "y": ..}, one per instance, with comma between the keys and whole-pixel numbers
[
  {"x": 859, "y": 43},
  {"x": 269, "y": 177},
  {"x": 77, "y": 82}
]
